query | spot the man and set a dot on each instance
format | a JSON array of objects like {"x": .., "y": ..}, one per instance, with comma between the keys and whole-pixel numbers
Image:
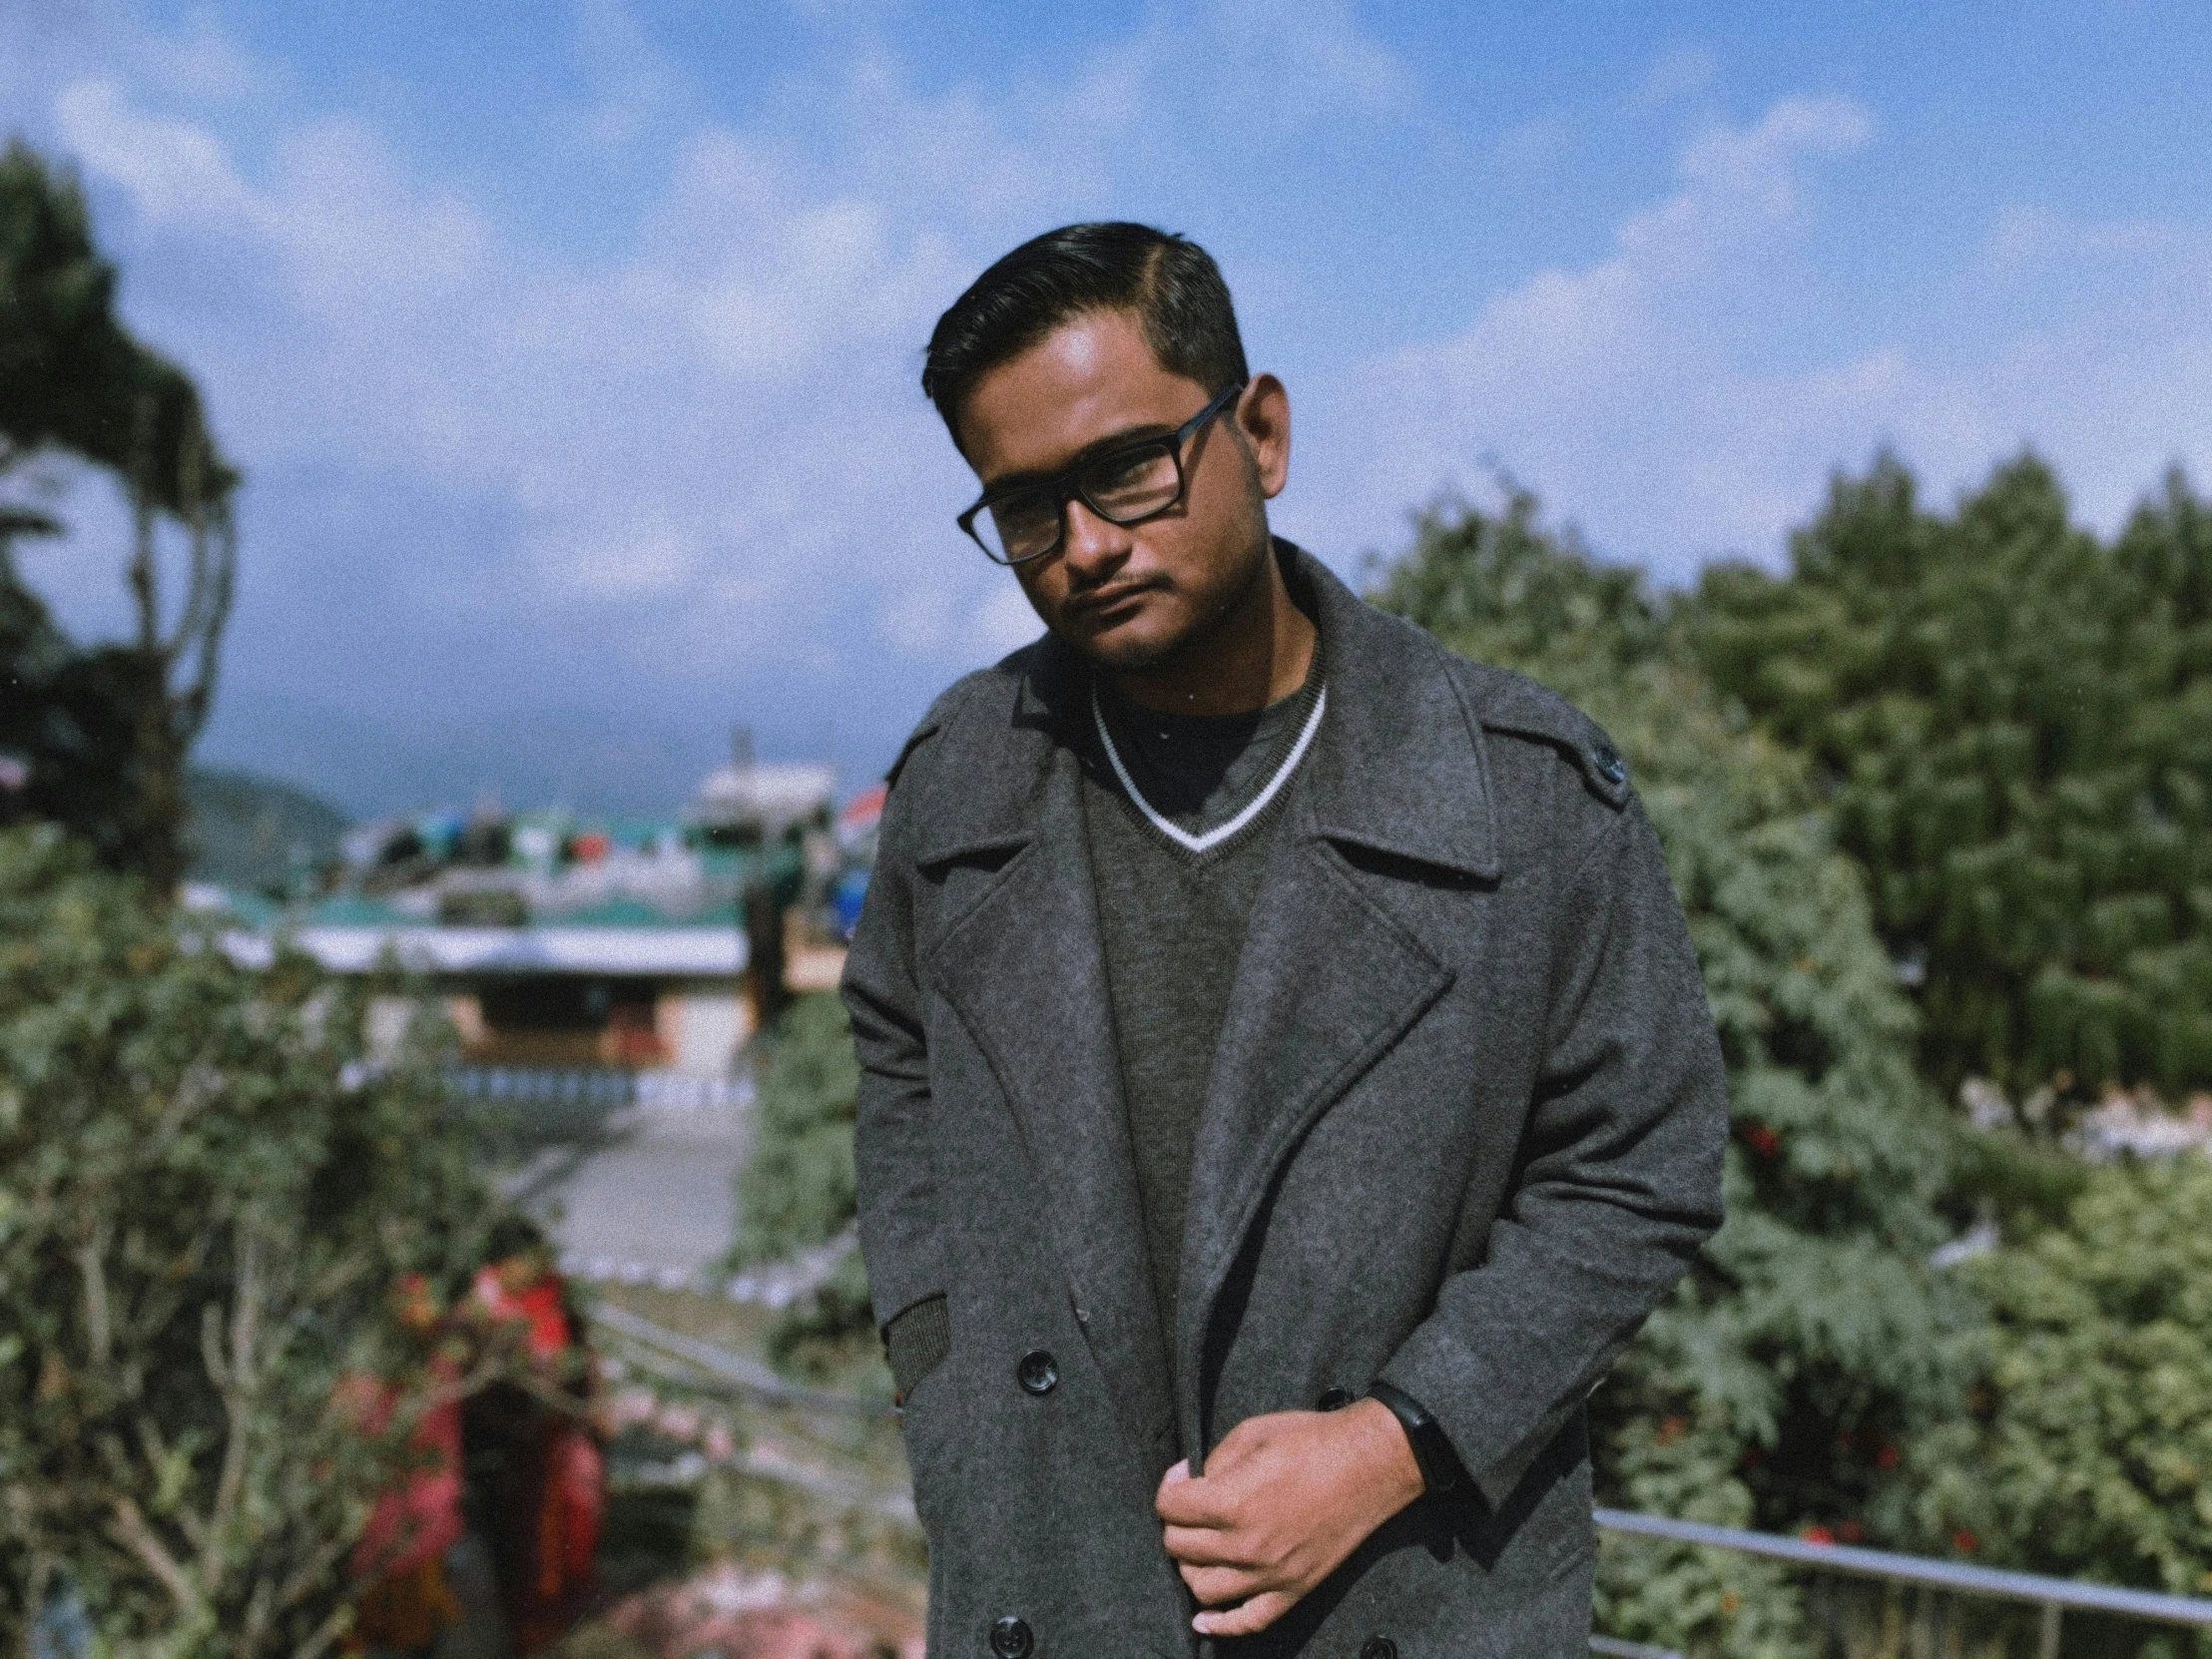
[{"x": 1286, "y": 1082}]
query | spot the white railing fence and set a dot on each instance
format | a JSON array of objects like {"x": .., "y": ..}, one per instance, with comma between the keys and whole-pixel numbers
[{"x": 1941, "y": 1583}]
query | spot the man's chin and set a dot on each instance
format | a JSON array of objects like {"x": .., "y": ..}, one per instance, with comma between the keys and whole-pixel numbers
[{"x": 1124, "y": 650}]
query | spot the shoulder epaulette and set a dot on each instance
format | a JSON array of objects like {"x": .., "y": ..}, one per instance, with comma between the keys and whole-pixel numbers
[{"x": 1513, "y": 703}]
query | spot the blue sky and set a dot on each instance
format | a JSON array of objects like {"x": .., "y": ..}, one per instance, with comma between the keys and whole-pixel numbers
[{"x": 570, "y": 349}]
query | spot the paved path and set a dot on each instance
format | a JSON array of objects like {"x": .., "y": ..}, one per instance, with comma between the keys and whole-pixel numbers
[{"x": 644, "y": 1197}]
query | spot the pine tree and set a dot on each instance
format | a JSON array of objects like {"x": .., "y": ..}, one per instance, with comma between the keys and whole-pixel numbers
[
  {"x": 2165, "y": 560},
  {"x": 2010, "y": 720},
  {"x": 1777, "y": 1388}
]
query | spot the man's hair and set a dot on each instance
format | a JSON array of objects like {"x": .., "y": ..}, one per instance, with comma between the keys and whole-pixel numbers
[{"x": 1170, "y": 282}]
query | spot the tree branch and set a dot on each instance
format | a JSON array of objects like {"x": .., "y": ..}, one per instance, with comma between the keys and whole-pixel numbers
[
  {"x": 129, "y": 1529},
  {"x": 236, "y": 1384},
  {"x": 143, "y": 577},
  {"x": 318, "y": 1641},
  {"x": 93, "y": 1268}
]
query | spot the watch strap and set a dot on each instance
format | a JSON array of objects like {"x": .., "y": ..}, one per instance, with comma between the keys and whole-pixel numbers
[{"x": 1432, "y": 1453}]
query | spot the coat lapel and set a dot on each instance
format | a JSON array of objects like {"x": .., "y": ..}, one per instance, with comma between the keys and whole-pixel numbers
[
  {"x": 1328, "y": 982},
  {"x": 1025, "y": 972},
  {"x": 1325, "y": 985}
]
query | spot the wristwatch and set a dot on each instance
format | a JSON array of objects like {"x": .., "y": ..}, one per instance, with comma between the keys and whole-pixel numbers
[{"x": 1438, "y": 1464}]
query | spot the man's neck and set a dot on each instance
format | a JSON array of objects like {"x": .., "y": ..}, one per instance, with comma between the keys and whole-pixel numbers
[{"x": 1260, "y": 650}]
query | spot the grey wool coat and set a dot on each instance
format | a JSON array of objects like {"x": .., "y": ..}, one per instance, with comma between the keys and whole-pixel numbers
[{"x": 1463, "y": 1132}]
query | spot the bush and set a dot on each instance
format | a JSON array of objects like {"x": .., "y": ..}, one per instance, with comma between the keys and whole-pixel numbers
[
  {"x": 796, "y": 1191},
  {"x": 2089, "y": 1452},
  {"x": 201, "y": 1226}
]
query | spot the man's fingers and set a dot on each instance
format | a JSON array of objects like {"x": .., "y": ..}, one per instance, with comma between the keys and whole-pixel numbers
[
  {"x": 1220, "y": 1587},
  {"x": 1205, "y": 1546},
  {"x": 1192, "y": 1503},
  {"x": 1247, "y": 1619}
]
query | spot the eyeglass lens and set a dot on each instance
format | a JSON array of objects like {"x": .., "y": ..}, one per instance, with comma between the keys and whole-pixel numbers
[{"x": 1121, "y": 487}]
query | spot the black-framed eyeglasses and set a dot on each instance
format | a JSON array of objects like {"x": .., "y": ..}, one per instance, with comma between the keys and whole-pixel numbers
[{"x": 1125, "y": 485}]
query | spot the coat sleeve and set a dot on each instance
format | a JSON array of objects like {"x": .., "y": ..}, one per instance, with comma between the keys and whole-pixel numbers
[
  {"x": 1619, "y": 1177},
  {"x": 901, "y": 1240}
]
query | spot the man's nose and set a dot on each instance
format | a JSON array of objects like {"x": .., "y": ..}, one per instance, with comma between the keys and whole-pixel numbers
[{"x": 1092, "y": 546}]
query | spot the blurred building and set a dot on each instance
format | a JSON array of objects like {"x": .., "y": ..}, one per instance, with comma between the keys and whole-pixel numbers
[{"x": 560, "y": 940}]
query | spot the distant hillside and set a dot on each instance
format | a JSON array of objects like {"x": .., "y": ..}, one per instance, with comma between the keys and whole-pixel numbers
[{"x": 253, "y": 832}]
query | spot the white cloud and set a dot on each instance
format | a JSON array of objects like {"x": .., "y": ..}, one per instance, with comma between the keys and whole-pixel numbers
[
  {"x": 708, "y": 441},
  {"x": 1673, "y": 398},
  {"x": 1313, "y": 59},
  {"x": 920, "y": 621},
  {"x": 1535, "y": 146},
  {"x": 1610, "y": 387},
  {"x": 176, "y": 173},
  {"x": 716, "y": 430},
  {"x": 1740, "y": 195},
  {"x": 650, "y": 558},
  {"x": 1245, "y": 75},
  {"x": 1644, "y": 394}
]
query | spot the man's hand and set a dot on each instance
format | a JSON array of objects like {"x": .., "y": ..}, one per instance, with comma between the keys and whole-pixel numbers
[{"x": 1284, "y": 1499}]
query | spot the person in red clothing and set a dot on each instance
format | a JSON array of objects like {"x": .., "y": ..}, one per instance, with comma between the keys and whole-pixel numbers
[
  {"x": 533, "y": 1460},
  {"x": 425, "y": 1581}
]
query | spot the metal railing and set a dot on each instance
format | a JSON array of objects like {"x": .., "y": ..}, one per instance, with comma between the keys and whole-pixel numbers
[
  {"x": 2056, "y": 1597},
  {"x": 2052, "y": 1597},
  {"x": 611, "y": 1086},
  {"x": 731, "y": 1373}
]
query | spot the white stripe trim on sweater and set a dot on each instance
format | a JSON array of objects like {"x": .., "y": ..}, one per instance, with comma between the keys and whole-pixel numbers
[{"x": 1221, "y": 831}]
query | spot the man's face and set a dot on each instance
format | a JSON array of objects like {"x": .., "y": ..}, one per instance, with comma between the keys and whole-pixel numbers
[{"x": 1130, "y": 597}]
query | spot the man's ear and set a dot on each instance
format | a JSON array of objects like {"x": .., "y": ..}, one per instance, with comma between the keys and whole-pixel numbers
[{"x": 1262, "y": 419}]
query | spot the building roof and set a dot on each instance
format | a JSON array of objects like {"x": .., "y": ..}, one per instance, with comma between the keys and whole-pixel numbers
[
  {"x": 773, "y": 796},
  {"x": 706, "y": 953}
]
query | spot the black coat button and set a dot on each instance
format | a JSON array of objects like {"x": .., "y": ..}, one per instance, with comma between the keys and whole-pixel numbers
[
  {"x": 1610, "y": 765},
  {"x": 1039, "y": 1375},
  {"x": 1333, "y": 1400},
  {"x": 1378, "y": 1647},
  {"x": 1010, "y": 1639}
]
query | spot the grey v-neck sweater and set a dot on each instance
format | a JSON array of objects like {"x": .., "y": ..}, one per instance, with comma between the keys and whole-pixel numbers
[{"x": 1173, "y": 924}]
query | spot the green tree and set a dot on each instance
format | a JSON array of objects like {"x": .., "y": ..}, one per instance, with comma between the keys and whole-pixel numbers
[
  {"x": 2165, "y": 561},
  {"x": 205, "y": 1202},
  {"x": 1780, "y": 1386},
  {"x": 68, "y": 718},
  {"x": 2010, "y": 720},
  {"x": 2089, "y": 1449},
  {"x": 72, "y": 378}
]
